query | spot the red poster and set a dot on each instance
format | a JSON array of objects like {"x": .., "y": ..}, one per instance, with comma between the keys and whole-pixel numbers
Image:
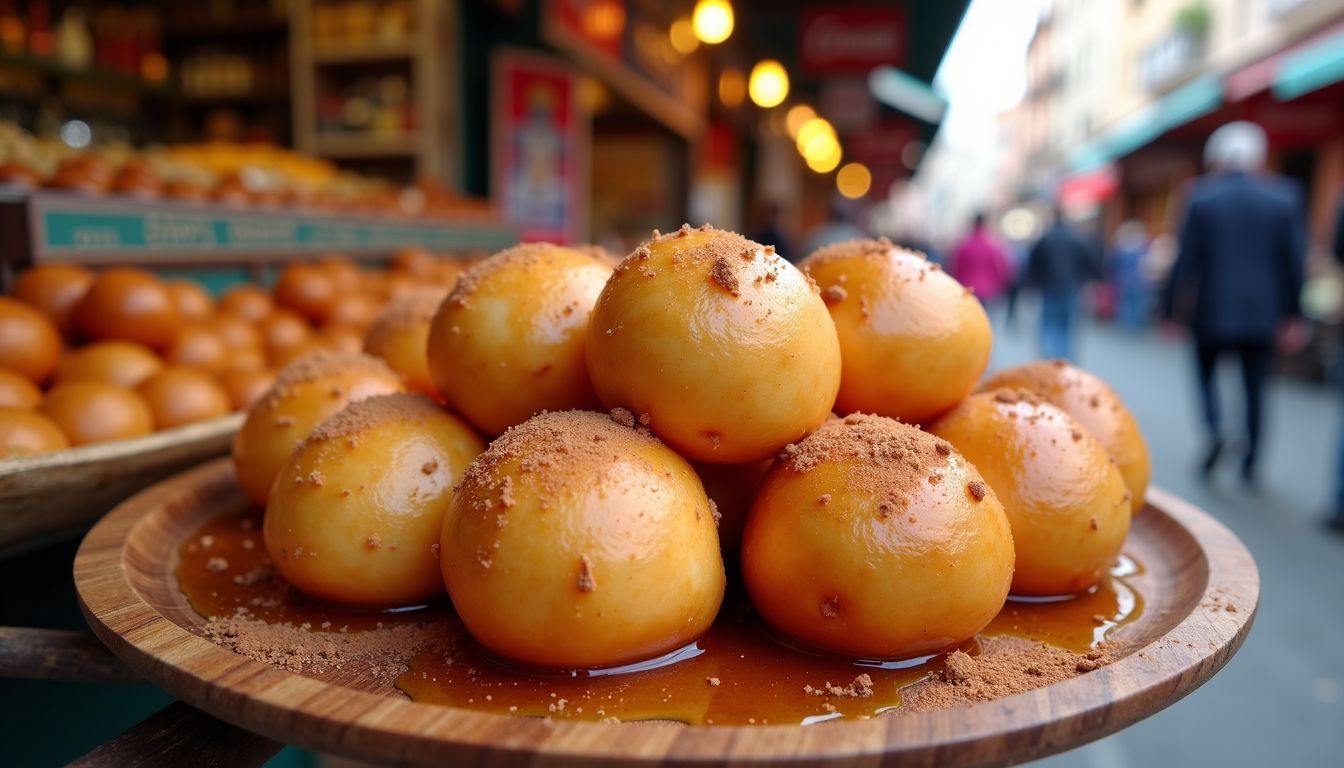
[
  {"x": 539, "y": 147},
  {"x": 853, "y": 39}
]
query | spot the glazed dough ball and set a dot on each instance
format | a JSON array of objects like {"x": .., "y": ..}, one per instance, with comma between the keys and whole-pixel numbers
[
  {"x": 18, "y": 391},
  {"x": 733, "y": 489},
  {"x": 128, "y": 304},
  {"x": 24, "y": 432},
  {"x": 178, "y": 395},
  {"x": 199, "y": 345},
  {"x": 724, "y": 345},
  {"x": 54, "y": 290},
  {"x": 1095, "y": 406},
  {"x": 236, "y": 333},
  {"x": 1064, "y": 496},
  {"x": 305, "y": 393},
  {"x": 96, "y": 412},
  {"x": 283, "y": 334},
  {"x": 356, "y": 514},
  {"x": 913, "y": 341},
  {"x": 307, "y": 289},
  {"x": 400, "y": 336},
  {"x": 29, "y": 343},
  {"x": 249, "y": 302},
  {"x": 873, "y": 539},
  {"x": 509, "y": 340},
  {"x": 578, "y": 542},
  {"x": 124, "y": 363},
  {"x": 193, "y": 302},
  {"x": 246, "y": 386}
]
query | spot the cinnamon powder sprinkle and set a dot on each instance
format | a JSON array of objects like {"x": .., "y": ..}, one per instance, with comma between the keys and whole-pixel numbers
[
  {"x": 586, "y": 581},
  {"x": 834, "y": 294},
  {"x": 216, "y": 565},
  {"x": 383, "y": 652},
  {"x": 1005, "y": 666},
  {"x": 363, "y": 415},
  {"x": 977, "y": 489},
  {"x": 860, "y": 687},
  {"x": 722, "y": 274}
]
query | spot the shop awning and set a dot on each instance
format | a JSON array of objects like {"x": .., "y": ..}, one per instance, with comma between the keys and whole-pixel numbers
[
  {"x": 1191, "y": 101},
  {"x": 1313, "y": 67}
]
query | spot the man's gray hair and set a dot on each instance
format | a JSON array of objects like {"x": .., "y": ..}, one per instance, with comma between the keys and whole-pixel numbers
[{"x": 1237, "y": 146}]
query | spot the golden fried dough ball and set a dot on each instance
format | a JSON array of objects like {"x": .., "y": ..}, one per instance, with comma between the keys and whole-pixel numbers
[
  {"x": 400, "y": 336},
  {"x": 307, "y": 289},
  {"x": 283, "y": 333},
  {"x": 96, "y": 412},
  {"x": 307, "y": 391},
  {"x": 509, "y": 340},
  {"x": 575, "y": 541},
  {"x": 725, "y": 346},
  {"x": 873, "y": 539},
  {"x": 354, "y": 310},
  {"x": 246, "y": 386},
  {"x": 128, "y": 304},
  {"x": 193, "y": 301},
  {"x": 236, "y": 333},
  {"x": 199, "y": 345},
  {"x": 414, "y": 262},
  {"x": 913, "y": 341},
  {"x": 1095, "y": 406},
  {"x": 1065, "y": 498},
  {"x": 356, "y": 514},
  {"x": 250, "y": 302},
  {"x": 340, "y": 338},
  {"x": 343, "y": 271},
  {"x": 29, "y": 342},
  {"x": 178, "y": 395},
  {"x": 124, "y": 363},
  {"x": 732, "y": 488},
  {"x": 54, "y": 290},
  {"x": 17, "y": 391},
  {"x": 24, "y": 432}
]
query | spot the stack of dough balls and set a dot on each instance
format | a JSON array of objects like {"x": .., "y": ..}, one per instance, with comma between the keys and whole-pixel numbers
[{"x": 703, "y": 403}]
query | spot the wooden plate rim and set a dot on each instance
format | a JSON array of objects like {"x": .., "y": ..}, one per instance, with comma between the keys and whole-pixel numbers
[{"x": 297, "y": 709}]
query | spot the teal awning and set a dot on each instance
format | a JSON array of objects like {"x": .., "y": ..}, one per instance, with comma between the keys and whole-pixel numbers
[
  {"x": 1191, "y": 101},
  {"x": 1315, "y": 66}
]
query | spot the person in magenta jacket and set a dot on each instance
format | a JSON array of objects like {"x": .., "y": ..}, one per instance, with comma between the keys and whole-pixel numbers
[{"x": 980, "y": 263}]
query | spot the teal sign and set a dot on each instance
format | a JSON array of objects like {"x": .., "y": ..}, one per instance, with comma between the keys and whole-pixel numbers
[{"x": 95, "y": 230}]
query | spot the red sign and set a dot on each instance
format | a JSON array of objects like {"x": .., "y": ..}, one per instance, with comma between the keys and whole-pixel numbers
[
  {"x": 852, "y": 39},
  {"x": 538, "y": 147},
  {"x": 882, "y": 148}
]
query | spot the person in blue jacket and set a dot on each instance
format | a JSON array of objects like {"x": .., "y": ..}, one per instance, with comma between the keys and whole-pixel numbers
[{"x": 1238, "y": 276}]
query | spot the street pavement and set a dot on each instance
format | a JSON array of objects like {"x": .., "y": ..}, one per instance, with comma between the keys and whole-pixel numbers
[{"x": 1279, "y": 701}]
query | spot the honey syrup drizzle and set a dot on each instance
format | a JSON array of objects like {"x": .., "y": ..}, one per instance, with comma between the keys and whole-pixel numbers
[{"x": 737, "y": 673}]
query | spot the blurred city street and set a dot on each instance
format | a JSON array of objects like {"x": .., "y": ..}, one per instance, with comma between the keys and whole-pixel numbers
[{"x": 1279, "y": 701}]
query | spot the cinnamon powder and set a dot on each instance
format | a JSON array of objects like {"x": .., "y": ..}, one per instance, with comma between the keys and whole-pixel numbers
[{"x": 1004, "y": 667}]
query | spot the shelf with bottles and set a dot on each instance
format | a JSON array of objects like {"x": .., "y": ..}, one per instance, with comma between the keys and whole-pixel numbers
[
  {"x": 105, "y": 45},
  {"x": 368, "y": 25}
]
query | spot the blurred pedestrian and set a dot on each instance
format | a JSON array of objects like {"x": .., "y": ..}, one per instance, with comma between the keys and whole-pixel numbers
[
  {"x": 980, "y": 263},
  {"x": 1058, "y": 266},
  {"x": 1336, "y": 520},
  {"x": 1238, "y": 276},
  {"x": 1129, "y": 248}
]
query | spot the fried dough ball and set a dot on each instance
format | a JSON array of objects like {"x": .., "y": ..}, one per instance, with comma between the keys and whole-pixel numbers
[
  {"x": 29, "y": 342},
  {"x": 236, "y": 333},
  {"x": 341, "y": 338},
  {"x": 198, "y": 345},
  {"x": 723, "y": 344},
  {"x": 24, "y": 432},
  {"x": 913, "y": 340},
  {"x": 343, "y": 271},
  {"x": 415, "y": 263},
  {"x": 873, "y": 539},
  {"x": 283, "y": 332},
  {"x": 578, "y": 542},
  {"x": 17, "y": 391},
  {"x": 250, "y": 302},
  {"x": 1065, "y": 498},
  {"x": 1095, "y": 406},
  {"x": 128, "y": 304},
  {"x": 400, "y": 336},
  {"x": 246, "y": 386},
  {"x": 96, "y": 412},
  {"x": 124, "y": 363},
  {"x": 54, "y": 290},
  {"x": 509, "y": 340},
  {"x": 307, "y": 289},
  {"x": 192, "y": 301},
  {"x": 177, "y": 395},
  {"x": 356, "y": 514},
  {"x": 353, "y": 311},
  {"x": 307, "y": 391},
  {"x": 733, "y": 489}
]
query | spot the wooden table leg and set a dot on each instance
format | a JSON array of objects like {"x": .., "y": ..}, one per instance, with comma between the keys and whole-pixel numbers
[{"x": 179, "y": 735}]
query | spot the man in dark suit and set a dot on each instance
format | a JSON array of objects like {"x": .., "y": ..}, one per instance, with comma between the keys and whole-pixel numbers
[
  {"x": 1058, "y": 265},
  {"x": 1237, "y": 279}
]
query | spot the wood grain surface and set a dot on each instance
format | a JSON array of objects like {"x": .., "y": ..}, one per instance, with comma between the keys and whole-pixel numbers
[
  {"x": 1194, "y": 567},
  {"x": 59, "y": 654},
  {"x": 47, "y": 494}
]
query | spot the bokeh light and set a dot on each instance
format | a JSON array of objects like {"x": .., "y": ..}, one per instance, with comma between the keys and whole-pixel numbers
[
  {"x": 769, "y": 84},
  {"x": 712, "y": 21},
  {"x": 854, "y": 180}
]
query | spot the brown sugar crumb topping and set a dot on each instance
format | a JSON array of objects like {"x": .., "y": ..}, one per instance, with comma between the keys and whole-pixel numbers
[
  {"x": 216, "y": 565},
  {"x": 942, "y": 448},
  {"x": 830, "y": 607},
  {"x": 714, "y": 512},
  {"x": 586, "y": 581},
  {"x": 263, "y": 571},
  {"x": 373, "y": 541},
  {"x": 824, "y": 499},
  {"x": 977, "y": 490},
  {"x": 382, "y": 652},
  {"x": 1006, "y": 666},
  {"x": 1092, "y": 523},
  {"x": 525, "y": 256},
  {"x": 713, "y": 682},
  {"x": 429, "y": 467},
  {"x": 888, "y": 459},
  {"x": 860, "y": 687},
  {"x": 623, "y": 417},
  {"x": 1076, "y": 435},
  {"x": 722, "y": 274},
  {"x": 363, "y": 415},
  {"x": 834, "y": 294}
]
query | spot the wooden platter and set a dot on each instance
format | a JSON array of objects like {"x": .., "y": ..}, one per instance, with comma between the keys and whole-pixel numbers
[
  {"x": 51, "y": 493},
  {"x": 124, "y": 572}
]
